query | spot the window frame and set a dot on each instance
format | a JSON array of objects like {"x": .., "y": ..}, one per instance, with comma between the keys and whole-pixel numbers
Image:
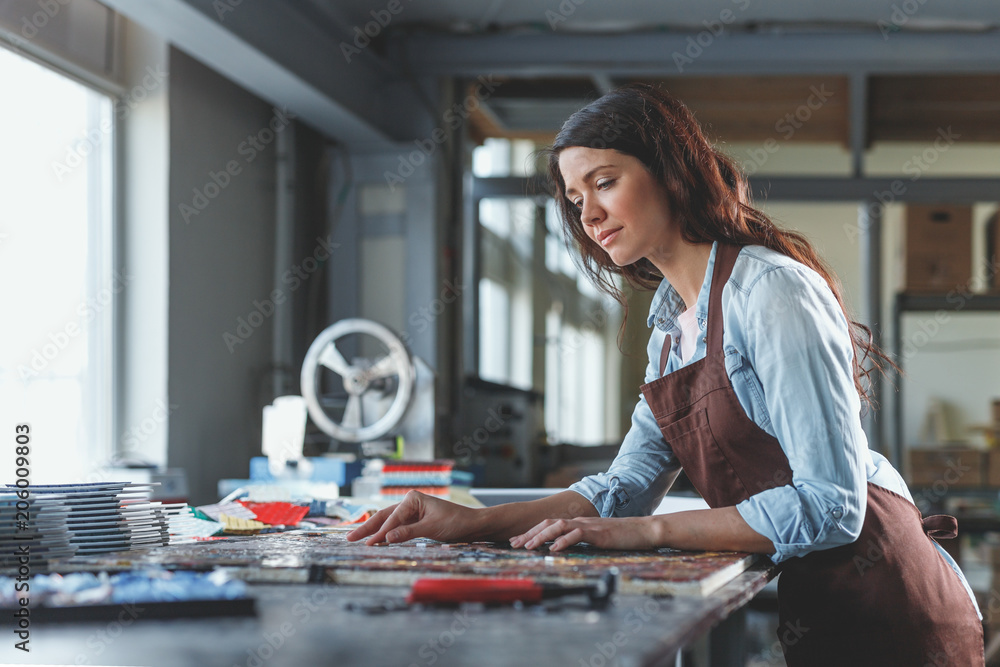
[
  {"x": 105, "y": 246},
  {"x": 578, "y": 307}
]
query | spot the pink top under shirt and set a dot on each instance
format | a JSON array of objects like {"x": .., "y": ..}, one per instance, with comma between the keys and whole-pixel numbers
[{"x": 688, "y": 324}]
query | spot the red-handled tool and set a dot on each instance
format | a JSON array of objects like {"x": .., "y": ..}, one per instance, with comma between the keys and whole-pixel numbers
[{"x": 493, "y": 590}]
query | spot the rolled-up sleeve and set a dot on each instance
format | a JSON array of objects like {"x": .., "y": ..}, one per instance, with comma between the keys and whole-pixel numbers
[
  {"x": 644, "y": 468},
  {"x": 799, "y": 346}
]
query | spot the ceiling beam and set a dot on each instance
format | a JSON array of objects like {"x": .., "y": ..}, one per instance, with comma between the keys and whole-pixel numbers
[
  {"x": 681, "y": 54},
  {"x": 884, "y": 190},
  {"x": 858, "y": 122},
  {"x": 807, "y": 189},
  {"x": 280, "y": 55}
]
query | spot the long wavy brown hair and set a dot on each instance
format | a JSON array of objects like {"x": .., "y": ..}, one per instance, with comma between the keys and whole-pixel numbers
[{"x": 707, "y": 192}]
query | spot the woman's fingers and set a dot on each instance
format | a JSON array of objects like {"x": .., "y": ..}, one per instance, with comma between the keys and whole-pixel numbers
[
  {"x": 562, "y": 533},
  {"x": 522, "y": 539},
  {"x": 547, "y": 534},
  {"x": 371, "y": 525},
  {"x": 403, "y": 533},
  {"x": 567, "y": 540},
  {"x": 546, "y": 531},
  {"x": 401, "y": 520},
  {"x": 391, "y": 522},
  {"x": 418, "y": 515},
  {"x": 406, "y": 512},
  {"x": 623, "y": 533}
]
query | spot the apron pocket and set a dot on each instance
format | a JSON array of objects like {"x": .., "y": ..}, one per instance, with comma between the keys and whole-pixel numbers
[
  {"x": 685, "y": 425},
  {"x": 704, "y": 462}
]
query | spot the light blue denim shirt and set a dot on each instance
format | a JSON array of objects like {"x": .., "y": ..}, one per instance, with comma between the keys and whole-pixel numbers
[{"x": 789, "y": 359}]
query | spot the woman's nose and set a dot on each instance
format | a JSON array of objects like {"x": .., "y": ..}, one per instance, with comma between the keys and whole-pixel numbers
[{"x": 591, "y": 213}]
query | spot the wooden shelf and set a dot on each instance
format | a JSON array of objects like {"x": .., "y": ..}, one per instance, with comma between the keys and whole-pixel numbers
[{"x": 906, "y": 302}]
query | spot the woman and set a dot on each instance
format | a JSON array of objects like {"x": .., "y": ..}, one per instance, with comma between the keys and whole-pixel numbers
[{"x": 754, "y": 387}]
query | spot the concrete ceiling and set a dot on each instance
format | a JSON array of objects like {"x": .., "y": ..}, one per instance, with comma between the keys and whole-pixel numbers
[
  {"x": 557, "y": 54},
  {"x": 627, "y": 15},
  {"x": 299, "y": 54}
]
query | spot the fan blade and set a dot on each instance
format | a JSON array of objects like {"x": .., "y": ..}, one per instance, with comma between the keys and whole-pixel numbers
[
  {"x": 352, "y": 413},
  {"x": 332, "y": 359},
  {"x": 382, "y": 368}
]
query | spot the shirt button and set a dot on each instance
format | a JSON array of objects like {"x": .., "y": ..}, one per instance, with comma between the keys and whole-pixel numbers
[
  {"x": 660, "y": 321},
  {"x": 837, "y": 513}
]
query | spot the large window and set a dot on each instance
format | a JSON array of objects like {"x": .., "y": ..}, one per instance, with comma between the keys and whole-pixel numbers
[
  {"x": 542, "y": 325},
  {"x": 57, "y": 287}
]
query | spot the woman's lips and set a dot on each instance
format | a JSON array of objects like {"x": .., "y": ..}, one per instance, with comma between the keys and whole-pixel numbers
[{"x": 608, "y": 237}]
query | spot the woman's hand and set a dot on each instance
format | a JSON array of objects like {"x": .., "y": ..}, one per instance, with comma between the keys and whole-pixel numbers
[
  {"x": 611, "y": 533},
  {"x": 418, "y": 515}
]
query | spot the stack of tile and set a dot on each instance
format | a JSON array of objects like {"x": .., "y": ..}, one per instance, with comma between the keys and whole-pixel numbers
[
  {"x": 431, "y": 477},
  {"x": 61, "y": 520},
  {"x": 35, "y": 524}
]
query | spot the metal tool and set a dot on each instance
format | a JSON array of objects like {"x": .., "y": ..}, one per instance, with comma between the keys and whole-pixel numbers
[{"x": 493, "y": 590}]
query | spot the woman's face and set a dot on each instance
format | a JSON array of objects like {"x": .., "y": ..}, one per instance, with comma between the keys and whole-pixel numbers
[{"x": 622, "y": 206}]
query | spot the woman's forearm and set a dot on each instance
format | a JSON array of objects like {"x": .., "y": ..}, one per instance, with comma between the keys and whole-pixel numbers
[
  {"x": 501, "y": 522},
  {"x": 720, "y": 529}
]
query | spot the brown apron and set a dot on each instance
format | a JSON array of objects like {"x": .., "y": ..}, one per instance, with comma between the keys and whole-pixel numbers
[{"x": 889, "y": 598}]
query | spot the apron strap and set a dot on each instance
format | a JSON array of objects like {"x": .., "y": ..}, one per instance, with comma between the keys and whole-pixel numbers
[
  {"x": 665, "y": 354},
  {"x": 941, "y": 527},
  {"x": 725, "y": 259}
]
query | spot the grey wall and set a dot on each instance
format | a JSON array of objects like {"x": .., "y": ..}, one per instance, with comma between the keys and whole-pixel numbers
[{"x": 221, "y": 260}]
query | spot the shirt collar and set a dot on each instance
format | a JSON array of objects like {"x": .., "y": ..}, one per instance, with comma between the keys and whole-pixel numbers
[{"x": 667, "y": 303}]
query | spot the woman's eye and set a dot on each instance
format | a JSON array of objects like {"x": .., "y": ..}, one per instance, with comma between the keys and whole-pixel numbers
[
  {"x": 578, "y": 203},
  {"x": 605, "y": 184}
]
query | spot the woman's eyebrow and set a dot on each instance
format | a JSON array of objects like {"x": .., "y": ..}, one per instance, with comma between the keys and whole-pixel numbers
[{"x": 586, "y": 177}]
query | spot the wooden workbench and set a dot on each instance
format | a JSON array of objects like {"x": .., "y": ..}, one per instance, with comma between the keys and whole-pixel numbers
[{"x": 313, "y": 624}]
